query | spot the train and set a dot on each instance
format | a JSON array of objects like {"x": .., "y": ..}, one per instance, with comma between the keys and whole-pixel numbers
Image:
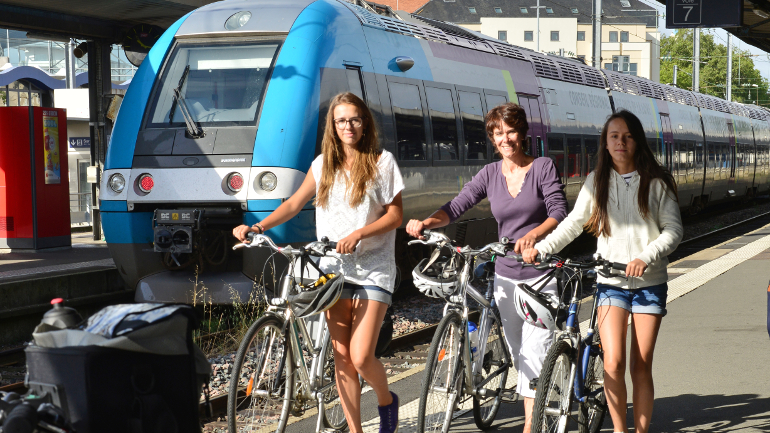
[{"x": 224, "y": 116}]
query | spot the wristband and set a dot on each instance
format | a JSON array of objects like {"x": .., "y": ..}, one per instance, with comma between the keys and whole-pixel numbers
[{"x": 259, "y": 226}]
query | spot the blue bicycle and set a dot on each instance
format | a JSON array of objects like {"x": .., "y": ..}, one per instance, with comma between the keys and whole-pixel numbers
[{"x": 574, "y": 369}]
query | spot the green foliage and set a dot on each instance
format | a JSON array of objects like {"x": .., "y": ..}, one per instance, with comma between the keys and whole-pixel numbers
[{"x": 677, "y": 49}]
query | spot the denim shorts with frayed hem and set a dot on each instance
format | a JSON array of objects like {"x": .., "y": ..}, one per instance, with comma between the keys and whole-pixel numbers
[
  {"x": 647, "y": 300},
  {"x": 372, "y": 293}
]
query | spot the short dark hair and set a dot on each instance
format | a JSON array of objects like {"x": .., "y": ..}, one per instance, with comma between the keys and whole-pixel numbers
[{"x": 512, "y": 114}]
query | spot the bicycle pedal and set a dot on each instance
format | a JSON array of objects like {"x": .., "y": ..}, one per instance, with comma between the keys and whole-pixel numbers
[{"x": 509, "y": 396}]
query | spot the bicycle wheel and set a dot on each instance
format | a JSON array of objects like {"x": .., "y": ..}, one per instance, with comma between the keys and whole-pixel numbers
[
  {"x": 554, "y": 391},
  {"x": 261, "y": 384},
  {"x": 485, "y": 410},
  {"x": 591, "y": 415},
  {"x": 334, "y": 417},
  {"x": 443, "y": 371}
]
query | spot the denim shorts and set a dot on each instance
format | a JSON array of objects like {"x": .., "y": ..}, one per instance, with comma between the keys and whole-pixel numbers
[
  {"x": 372, "y": 293},
  {"x": 647, "y": 300}
]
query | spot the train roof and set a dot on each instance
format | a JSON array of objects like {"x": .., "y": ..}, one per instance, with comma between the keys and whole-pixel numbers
[{"x": 544, "y": 66}]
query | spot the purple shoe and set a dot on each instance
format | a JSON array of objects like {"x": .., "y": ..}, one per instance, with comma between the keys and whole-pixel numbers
[{"x": 389, "y": 416}]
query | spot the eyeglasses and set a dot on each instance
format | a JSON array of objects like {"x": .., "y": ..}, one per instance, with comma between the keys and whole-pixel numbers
[{"x": 355, "y": 122}]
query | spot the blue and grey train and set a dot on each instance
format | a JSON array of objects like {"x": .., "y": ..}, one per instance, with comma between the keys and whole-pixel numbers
[{"x": 224, "y": 116}]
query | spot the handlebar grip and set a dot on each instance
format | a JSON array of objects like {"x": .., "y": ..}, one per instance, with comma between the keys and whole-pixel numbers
[
  {"x": 619, "y": 266},
  {"x": 518, "y": 257},
  {"x": 333, "y": 245},
  {"x": 427, "y": 232}
]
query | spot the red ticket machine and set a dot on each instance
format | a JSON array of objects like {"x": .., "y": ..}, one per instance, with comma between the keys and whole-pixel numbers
[{"x": 34, "y": 182}]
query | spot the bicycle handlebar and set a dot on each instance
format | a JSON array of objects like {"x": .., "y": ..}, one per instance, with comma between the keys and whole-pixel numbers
[
  {"x": 324, "y": 247},
  {"x": 546, "y": 261}
]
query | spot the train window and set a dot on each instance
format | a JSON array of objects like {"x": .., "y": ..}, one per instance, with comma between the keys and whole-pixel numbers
[
  {"x": 410, "y": 127},
  {"x": 556, "y": 153},
  {"x": 575, "y": 153},
  {"x": 442, "y": 117},
  {"x": 592, "y": 148},
  {"x": 474, "y": 131},
  {"x": 540, "y": 150},
  {"x": 221, "y": 85},
  {"x": 495, "y": 100},
  {"x": 555, "y": 143},
  {"x": 354, "y": 81}
]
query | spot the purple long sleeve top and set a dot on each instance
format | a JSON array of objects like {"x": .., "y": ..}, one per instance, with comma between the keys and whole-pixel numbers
[{"x": 542, "y": 196}]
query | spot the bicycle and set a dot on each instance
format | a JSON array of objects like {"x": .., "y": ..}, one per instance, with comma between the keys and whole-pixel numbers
[
  {"x": 573, "y": 370},
  {"x": 271, "y": 376},
  {"x": 452, "y": 373}
]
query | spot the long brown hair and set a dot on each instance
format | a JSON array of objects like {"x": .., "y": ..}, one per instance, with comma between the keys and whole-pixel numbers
[
  {"x": 646, "y": 165},
  {"x": 364, "y": 168}
]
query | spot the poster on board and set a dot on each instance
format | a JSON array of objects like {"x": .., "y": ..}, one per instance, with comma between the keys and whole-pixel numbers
[{"x": 51, "y": 147}]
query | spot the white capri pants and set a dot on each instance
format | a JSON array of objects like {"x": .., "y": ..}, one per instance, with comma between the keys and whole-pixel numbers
[{"x": 528, "y": 344}]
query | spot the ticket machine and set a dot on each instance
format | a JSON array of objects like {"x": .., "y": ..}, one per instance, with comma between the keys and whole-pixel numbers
[{"x": 34, "y": 181}]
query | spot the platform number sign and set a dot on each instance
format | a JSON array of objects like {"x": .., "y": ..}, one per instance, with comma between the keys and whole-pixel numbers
[{"x": 703, "y": 13}]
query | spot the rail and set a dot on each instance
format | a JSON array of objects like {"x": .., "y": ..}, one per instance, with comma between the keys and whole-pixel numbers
[{"x": 80, "y": 202}]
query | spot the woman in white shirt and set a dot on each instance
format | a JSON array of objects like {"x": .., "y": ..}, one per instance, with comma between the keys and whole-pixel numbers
[
  {"x": 630, "y": 203},
  {"x": 358, "y": 204}
]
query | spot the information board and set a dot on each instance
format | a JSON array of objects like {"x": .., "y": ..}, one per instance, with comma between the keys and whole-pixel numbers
[{"x": 703, "y": 13}]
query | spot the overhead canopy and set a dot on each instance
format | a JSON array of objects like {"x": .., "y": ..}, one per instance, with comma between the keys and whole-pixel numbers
[
  {"x": 756, "y": 24},
  {"x": 91, "y": 19}
]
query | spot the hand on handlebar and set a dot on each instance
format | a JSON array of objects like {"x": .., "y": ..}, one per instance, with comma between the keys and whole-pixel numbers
[
  {"x": 414, "y": 228},
  {"x": 635, "y": 268},
  {"x": 348, "y": 244},
  {"x": 241, "y": 233},
  {"x": 524, "y": 243},
  {"x": 530, "y": 255}
]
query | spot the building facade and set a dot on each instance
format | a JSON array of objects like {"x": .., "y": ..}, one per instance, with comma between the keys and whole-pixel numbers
[{"x": 630, "y": 38}]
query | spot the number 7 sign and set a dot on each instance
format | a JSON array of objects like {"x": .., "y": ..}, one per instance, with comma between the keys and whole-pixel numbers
[{"x": 687, "y": 12}]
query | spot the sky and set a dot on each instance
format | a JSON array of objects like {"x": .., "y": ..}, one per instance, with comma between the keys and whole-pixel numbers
[{"x": 761, "y": 58}]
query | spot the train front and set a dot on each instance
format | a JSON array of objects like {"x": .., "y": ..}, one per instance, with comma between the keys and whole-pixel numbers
[{"x": 218, "y": 127}]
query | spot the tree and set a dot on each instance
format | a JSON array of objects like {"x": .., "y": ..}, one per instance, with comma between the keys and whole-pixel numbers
[{"x": 677, "y": 50}]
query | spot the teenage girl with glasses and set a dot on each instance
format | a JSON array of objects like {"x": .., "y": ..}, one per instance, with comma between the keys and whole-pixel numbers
[
  {"x": 630, "y": 203},
  {"x": 358, "y": 204}
]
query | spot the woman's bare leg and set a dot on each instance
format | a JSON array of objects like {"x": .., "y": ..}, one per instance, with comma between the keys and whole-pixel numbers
[
  {"x": 339, "y": 319},
  {"x": 367, "y": 321},
  {"x": 644, "y": 334},
  {"x": 613, "y": 326}
]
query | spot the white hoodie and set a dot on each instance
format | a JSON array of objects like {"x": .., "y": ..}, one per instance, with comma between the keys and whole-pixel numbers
[{"x": 632, "y": 237}]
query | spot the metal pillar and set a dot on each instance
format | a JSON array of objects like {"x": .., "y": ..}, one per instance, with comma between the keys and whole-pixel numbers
[
  {"x": 729, "y": 88},
  {"x": 69, "y": 64},
  {"x": 538, "y": 26},
  {"x": 597, "y": 37},
  {"x": 99, "y": 85},
  {"x": 696, "y": 61},
  {"x": 676, "y": 72}
]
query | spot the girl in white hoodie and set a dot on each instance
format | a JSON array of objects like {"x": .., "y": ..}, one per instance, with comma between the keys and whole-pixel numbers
[{"x": 630, "y": 203}]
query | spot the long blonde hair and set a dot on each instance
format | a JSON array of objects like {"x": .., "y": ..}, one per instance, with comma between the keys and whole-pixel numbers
[{"x": 364, "y": 168}]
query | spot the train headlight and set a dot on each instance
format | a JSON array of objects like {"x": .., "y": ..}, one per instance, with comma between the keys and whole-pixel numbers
[
  {"x": 237, "y": 20},
  {"x": 117, "y": 182},
  {"x": 235, "y": 182},
  {"x": 268, "y": 181},
  {"x": 145, "y": 183}
]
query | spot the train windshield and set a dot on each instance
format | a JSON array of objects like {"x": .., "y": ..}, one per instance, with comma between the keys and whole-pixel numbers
[{"x": 221, "y": 85}]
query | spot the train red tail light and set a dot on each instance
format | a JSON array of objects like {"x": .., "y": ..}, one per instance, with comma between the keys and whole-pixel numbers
[
  {"x": 235, "y": 182},
  {"x": 145, "y": 183}
]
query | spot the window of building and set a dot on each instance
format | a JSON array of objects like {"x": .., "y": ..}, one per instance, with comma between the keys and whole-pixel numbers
[
  {"x": 529, "y": 35},
  {"x": 613, "y": 36},
  {"x": 581, "y": 36},
  {"x": 20, "y": 94},
  {"x": 555, "y": 36},
  {"x": 548, "y": 10},
  {"x": 498, "y": 10},
  {"x": 622, "y": 64},
  {"x": 442, "y": 118},
  {"x": 524, "y": 10},
  {"x": 623, "y": 36},
  {"x": 574, "y": 10},
  {"x": 502, "y": 35},
  {"x": 472, "y": 10},
  {"x": 410, "y": 128}
]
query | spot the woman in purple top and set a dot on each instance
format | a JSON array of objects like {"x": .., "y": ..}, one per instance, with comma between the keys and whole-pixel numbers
[{"x": 528, "y": 202}]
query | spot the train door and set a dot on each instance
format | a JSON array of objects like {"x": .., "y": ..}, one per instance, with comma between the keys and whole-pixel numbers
[
  {"x": 535, "y": 135},
  {"x": 667, "y": 147},
  {"x": 474, "y": 132},
  {"x": 493, "y": 99},
  {"x": 591, "y": 146},
  {"x": 731, "y": 153}
]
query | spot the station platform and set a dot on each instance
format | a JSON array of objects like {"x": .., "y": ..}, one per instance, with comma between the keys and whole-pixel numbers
[
  {"x": 711, "y": 360},
  {"x": 84, "y": 275}
]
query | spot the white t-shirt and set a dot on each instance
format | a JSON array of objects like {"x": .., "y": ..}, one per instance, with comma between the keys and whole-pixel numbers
[{"x": 373, "y": 262}]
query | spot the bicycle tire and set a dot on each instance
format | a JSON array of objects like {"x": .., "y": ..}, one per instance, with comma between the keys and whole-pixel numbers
[
  {"x": 441, "y": 370},
  {"x": 484, "y": 412},
  {"x": 554, "y": 391},
  {"x": 591, "y": 414},
  {"x": 334, "y": 416},
  {"x": 261, "y": 349}
]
